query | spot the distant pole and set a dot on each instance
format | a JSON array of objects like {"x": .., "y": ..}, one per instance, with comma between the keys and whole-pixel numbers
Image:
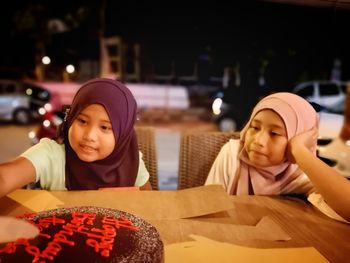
[
  {"x": 39, "y": 67},
  {"x": 345, "y": 131},
  {"x": 104, "y": 66}
]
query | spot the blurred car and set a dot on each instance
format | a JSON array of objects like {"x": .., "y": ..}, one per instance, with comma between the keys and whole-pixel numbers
[
  {"x": 329, "y": 94},
  {"x": 230, "y": 116},
  {"x": 21, "y": 101},
  {"x": 336, "y": 148},
  {"x": 48, "y": 126},
  {"x": 330, "y": 147},
  {"x": 230, "y": 111},
  {"x": 336, "y": 153}
]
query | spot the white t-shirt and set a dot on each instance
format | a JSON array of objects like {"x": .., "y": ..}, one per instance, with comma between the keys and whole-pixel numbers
[{"x": 49, "y": 160}]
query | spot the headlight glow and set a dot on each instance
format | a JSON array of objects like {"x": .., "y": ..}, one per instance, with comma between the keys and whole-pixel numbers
[
  {"x": 48, "y": 106},
  {"x": 216, "y": 106},
  {"x": 42, "y": 111},
  {"x": 31, "y": 134},
  {"x": 46, "y": 123}
]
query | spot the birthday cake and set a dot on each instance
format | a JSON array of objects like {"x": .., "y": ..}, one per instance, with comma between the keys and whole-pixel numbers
[{"x": 86, "y": 234}]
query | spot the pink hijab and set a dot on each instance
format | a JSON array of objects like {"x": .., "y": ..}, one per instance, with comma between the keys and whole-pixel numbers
[{"x": 298, "y": 116}]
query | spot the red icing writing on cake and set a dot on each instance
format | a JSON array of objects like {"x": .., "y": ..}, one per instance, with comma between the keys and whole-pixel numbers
[{"x": 100, "y": 239}]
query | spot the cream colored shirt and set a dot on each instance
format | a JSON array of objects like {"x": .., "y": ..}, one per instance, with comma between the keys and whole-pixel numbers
[
  {"x": 223, "y": 171},
  {"x": 49, "y": 160},
  {"x": 224, "y": 168}
]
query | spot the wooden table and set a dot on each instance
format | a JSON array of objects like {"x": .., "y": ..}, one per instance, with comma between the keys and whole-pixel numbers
[
  {"x": 306, "y": 226},
  {"x": 303, "y": 222}
]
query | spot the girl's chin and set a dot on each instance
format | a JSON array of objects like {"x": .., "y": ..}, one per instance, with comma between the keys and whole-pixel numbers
[
  {"x": 262, "y": 163},
  {"x": 259, "y": 162},
  {"x": 86, "y": 158}
]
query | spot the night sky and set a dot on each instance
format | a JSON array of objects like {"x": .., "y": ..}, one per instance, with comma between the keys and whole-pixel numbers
[{"x": 296, "y": 41}]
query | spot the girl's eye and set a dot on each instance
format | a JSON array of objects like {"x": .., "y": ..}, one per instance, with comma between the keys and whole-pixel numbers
[
  {"x": 81, "y": 120},
  {"x": 278, "y": 133},
  {"x": 106, "y": 128}
]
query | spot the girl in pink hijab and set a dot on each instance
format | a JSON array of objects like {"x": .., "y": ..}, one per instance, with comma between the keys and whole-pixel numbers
[
  {"x": 259, "y": 162},
  {"x": 276, "y": 154}
]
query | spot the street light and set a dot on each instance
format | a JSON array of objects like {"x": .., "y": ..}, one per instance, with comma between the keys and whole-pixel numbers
[
  {"x": 46, "y": 61},
  {"x": 70, "y": 69}
]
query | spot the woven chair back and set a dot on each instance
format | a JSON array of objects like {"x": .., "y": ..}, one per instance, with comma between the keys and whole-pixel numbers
[
  {"x": 147, "y": 145},
  {"x": 198, "y": 151}
]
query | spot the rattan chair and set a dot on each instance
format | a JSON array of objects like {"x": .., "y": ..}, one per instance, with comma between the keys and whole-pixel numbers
[
  {"x": 197, "y": 154},
  {"x": 147, "y": 145}
]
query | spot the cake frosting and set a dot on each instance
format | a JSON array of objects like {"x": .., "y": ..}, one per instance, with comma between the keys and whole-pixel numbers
[{"x": 86, "y": 234}]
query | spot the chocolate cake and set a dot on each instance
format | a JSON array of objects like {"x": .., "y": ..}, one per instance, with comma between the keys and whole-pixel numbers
[{"x": 86, "y": 234}]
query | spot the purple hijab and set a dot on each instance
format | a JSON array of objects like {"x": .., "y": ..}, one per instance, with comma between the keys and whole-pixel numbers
[{"x": 120, "y": 168}]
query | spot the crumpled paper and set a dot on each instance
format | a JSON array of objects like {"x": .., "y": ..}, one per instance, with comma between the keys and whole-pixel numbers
[{"x": 318, "y": 201}]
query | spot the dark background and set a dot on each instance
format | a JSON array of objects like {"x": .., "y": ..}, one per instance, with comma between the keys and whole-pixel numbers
[{"x": 297, "y": 42}]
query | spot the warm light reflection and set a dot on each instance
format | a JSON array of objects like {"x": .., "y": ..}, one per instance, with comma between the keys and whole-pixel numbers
[
  {"x": 31, "y": 135},
  {"x": 42, "y": 111},
  {"x": 216, "y": 106},
  {"x": 70, "y": 68},
  {"x": 46, "y": 60},
  {"x": 46, "y": 123},
  {"x": 48, "y": 107},
  {"x": 29, "y": 91}
]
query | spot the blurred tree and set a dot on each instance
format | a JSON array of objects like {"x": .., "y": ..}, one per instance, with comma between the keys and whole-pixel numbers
[
  {"x": 38, "y": 22},
  {"x": 32, "y": 21}
]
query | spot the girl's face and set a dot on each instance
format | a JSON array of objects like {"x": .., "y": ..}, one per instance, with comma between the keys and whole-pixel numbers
[
  {"x": 266, "y": 139},
  {"x": 91, "y": 135}
]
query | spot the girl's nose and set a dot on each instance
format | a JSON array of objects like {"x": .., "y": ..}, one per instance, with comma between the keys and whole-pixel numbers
[
  {"x": 90, "y": 134},
  {"x": 261, "y": 138}
]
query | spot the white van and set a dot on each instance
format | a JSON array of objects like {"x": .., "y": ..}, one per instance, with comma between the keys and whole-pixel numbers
[{"x": 325, "y": 93}]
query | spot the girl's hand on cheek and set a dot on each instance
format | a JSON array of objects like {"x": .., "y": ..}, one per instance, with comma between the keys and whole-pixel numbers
[{"x": 303, "y": 141}]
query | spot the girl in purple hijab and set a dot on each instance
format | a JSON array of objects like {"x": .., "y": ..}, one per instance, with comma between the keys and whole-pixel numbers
[{"x": 98, "y": 146}]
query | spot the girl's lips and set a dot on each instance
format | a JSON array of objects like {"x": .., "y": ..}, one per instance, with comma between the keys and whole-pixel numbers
[
  {"x": 87, "y": 148},
  {"x": 257, "y": 152}
]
